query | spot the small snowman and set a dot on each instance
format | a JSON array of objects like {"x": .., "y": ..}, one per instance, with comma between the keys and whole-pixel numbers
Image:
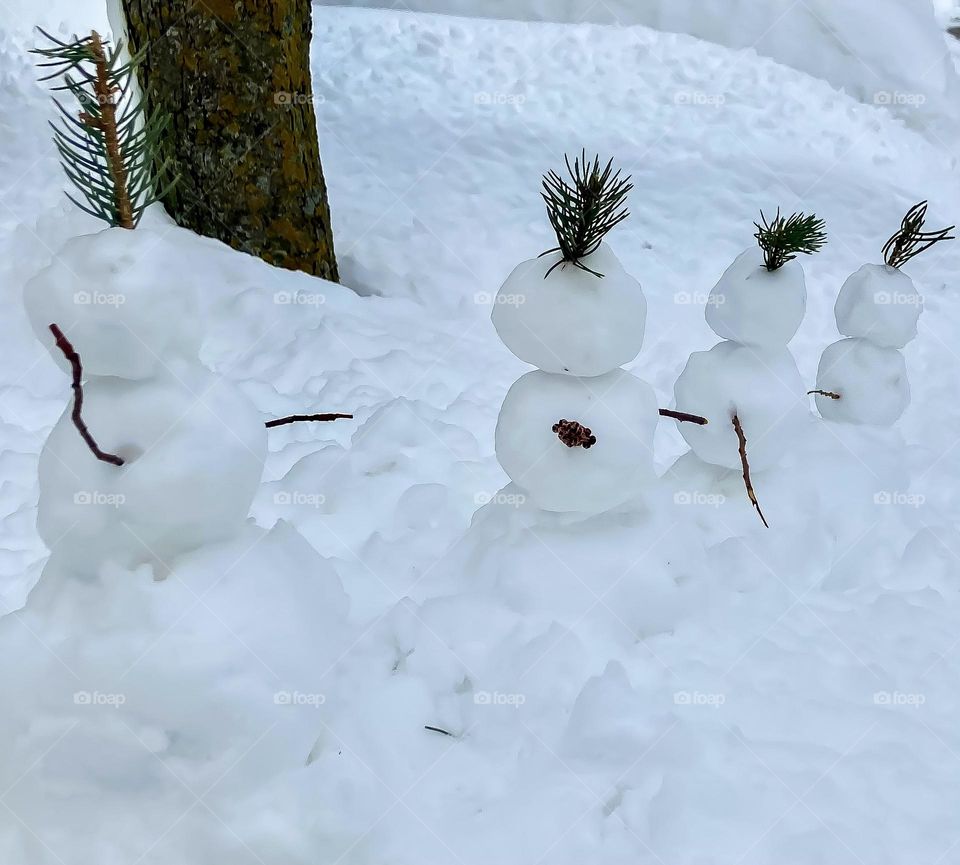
[
  {"x": 577, "y": 434},
  {"x": 748, "y": 387},
  {"x": 156, "y": 455},
  {"x": 863, "y": 379}
]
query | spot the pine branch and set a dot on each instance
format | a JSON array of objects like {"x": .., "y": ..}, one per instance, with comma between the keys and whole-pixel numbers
[
  {"x": 108, "y": 142},
  {"x": 585, "y": 209},
  {"x": 70, "y": 353},
  {"x": 911, "y": 239},
  {"x": 783, "y": 239}
]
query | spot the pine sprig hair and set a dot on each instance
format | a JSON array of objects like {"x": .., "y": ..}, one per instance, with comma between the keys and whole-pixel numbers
[
  {"x": 107, "y": 142},
  {"x": 585, "y": 208},
  {"x": 911, "y": 239},
  {"x": 782, "y": 240}
]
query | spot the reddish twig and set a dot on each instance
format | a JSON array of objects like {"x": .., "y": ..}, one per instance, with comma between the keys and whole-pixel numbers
[
  {"x": 683, "y": 417},
  {"x": 300, "y": 418},
  {"x": 70, "y": 353},
  {"x": 828, "y": 393},
  {"x": 738, "y": 428}
]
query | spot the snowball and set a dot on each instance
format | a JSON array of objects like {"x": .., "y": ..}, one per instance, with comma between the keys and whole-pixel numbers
[
  {"x": 756, "y": 306},
  {"x": 194, "y": 448},
  {"x": 122, "y": 300},
  {"x": 762, "y": 387},
  {"x": 618, "y": 408},
  {"x": 572, "y": 321},
  {"x": 870, "y": 379},
  {"x": 881, "y": 304}
]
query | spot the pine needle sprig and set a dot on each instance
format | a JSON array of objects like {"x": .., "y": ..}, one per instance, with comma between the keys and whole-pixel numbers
[
  {"x": 108, "y": 147},
  {"x": 782, "y": 240},
  {"x": 911, "y": 239},
  {"x": 584, "y": 209}
]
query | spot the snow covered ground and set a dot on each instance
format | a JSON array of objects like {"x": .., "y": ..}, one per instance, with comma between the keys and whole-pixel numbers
[
  {"x": 668, "y": 683},
  {"x": 887, "y": 52}
]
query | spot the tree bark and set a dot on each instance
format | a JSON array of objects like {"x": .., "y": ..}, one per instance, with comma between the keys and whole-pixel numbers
[{"x": 234, "y": 76}]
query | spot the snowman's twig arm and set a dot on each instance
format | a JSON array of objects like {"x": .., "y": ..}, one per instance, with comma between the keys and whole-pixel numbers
[
  {"x": 70, "y": 353},
  {"x": 683, "y": 416},
  {"x": 738, "y": 428},
  {"x": 828, "y": 393},
  {"x": 298, "y": 418}
]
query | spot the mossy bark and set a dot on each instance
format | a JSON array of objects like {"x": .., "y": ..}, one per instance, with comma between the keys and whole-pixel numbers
[{"x": 234, "y": 75}]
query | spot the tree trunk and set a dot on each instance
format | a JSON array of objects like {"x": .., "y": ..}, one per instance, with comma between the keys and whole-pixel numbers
[{"x": 234, "y": 75}]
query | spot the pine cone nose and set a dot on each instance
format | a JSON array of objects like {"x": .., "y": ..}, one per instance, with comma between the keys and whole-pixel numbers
[{"x": 574, "y": 435}]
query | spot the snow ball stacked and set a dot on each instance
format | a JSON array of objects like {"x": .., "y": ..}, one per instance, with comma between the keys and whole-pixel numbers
[
  {"x": 192, "y": 445},
  {"x": 863, "y": 379},
  {"x": 757, "y": 306},
  {"x": 576, "y": 435}
]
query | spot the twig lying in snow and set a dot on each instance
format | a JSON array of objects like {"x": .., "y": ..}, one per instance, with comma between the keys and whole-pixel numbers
[
  {"x": 738, "y": 428},
  {"x": 299, "y": 418},
  {"x": 828, "y": 393},
  {"x": 684, "y": 417},
  {"x": 70, "y": 353},
  {"x": 437, "y": 730}
]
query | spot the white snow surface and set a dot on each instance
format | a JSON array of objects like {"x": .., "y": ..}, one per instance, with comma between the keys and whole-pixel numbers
[
  {"x": 881, "y": 304},
  {"x": 756, "y": 306},
  {"x": 668, "y": 682},
  {"x": 890, "y": 53},
  {"x": 870, "y": 379},
  {"x": 565, "y": 319},
  {"x": 620, "y": 411}
]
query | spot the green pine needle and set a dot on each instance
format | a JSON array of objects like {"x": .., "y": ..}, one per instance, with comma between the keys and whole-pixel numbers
[
  {"x": 585, "y": 209},
  {"x": 782, "y": 240},
  {"x": 107, "y": 142},
  {"x": 911, "y": 239}
]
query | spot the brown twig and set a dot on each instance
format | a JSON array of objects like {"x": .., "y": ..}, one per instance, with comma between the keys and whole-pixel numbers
[
  {"x": 300, "y": 418},
  {"x": 70, "y": 353},
  {"x": 106, "y": 124},
  {"x": 574, "y": 435},
  {"x": 738, "y": 428},
  {"x": 683, "y": 417},
  {"x": 433, "y": 729},
  {"x": 828, "y": 393}
]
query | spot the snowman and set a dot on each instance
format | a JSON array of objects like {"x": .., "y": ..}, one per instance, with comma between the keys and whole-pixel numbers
[
  {"x": 748, "y": 387},
  {"x": 863, "y": 379},
  {"x": 576, "y": 434},
  {"x": 156, "y": 455},
  {"x": 202, "y": 626}
]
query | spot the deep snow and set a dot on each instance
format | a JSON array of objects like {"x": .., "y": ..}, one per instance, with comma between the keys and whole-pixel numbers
[{"x": 666, "y": 683}]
